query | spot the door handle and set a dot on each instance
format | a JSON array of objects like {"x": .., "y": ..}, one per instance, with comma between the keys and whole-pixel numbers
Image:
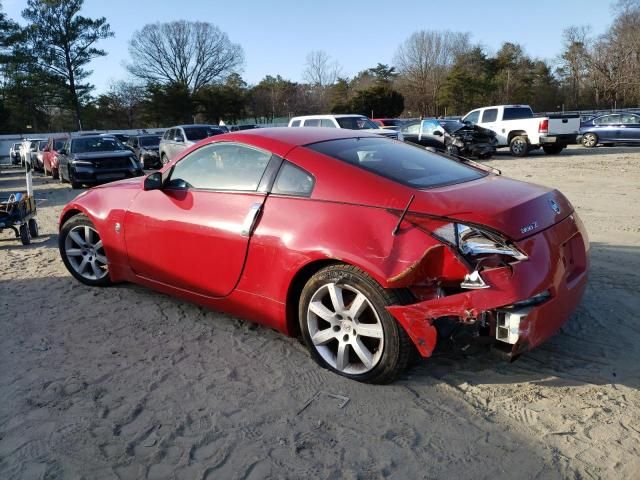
[{"x": 250, "y": 220}]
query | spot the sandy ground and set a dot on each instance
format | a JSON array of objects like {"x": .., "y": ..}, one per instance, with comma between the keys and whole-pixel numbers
[{"x": 128, "y": 383}]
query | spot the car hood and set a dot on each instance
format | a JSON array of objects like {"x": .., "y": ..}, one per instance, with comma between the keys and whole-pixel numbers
[
  {"x": 516, "y": 209},
  {"x": 134, "y": 183},
  {"x": 99, "y": 155}
]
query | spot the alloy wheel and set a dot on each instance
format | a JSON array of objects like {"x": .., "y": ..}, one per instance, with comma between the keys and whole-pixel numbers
[
  {"x": 589, "y": 140},
  {"x": 345, "y": 328},
  {"x": 84, "y": 250}
]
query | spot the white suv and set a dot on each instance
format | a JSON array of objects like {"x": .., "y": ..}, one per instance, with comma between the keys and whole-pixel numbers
[{"x": 351, "y": 122}]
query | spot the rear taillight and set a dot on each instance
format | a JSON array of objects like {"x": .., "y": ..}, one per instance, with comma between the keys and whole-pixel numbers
[{"x": 544, "y": 126}]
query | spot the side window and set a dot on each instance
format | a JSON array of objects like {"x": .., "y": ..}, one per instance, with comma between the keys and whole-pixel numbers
[
  {"x": 293, "y": 180},
  {"x": 490, "y": 115},
  {"x": 326, "y": 122},
  {"x": 178, "y": 133},
  {"x": 473, "y": 117},
  {"x": 601, "y": 120},
  {"x": 629, "y": 118},
  {"x": 429, "y": 126},
  {"x": 312, "y": 122},
  {"x": 412, "y": 129},
  {"x": 221, "y": 166},
  {"x": 295, "y": 123},
  {"x": 170, "y": 134}
]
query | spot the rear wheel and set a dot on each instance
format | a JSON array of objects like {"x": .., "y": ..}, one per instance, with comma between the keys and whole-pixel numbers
[
  {"x": 82, "y": 251},
  {"x": 553, "y": 149},
  {"x": 519, "y": 146},
  {"x": 347, "y": 329},
  {"x": 25, "y": 238},
  {"x": 33, "y": 228},
  {"x": 589, "y": 140}
]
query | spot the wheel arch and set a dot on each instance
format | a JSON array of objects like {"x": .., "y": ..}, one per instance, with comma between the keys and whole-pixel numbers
[
  {"x": 296, "y": 285},
  {"x": 516, "y": 133},
  {"x": 72, "y": 212}
]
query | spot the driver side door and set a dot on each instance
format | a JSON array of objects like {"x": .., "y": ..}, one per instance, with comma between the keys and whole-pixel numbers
[{"x": 194, "y": 232}]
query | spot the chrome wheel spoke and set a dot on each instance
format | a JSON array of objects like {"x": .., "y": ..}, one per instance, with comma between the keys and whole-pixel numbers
[
  {"x": 77, "y": 239},
  {"x": 335, "y": 292},
  {"x": 323, "y": 336},
  {"x": 96, "y": 269},
  {"x": 74, "y": 252},
  {"x": 101, "y": 258},
  {"x": 320, "y": 310},
  {"x": 98, "y": 245},
  {"x": 363, "y": 353},
  {"x": 342, "y": 357},
  {"x": 358, "y": 306},
  {"x": 82, "y": 266},
  {"x": 87, "y": 235},
  {"x": 372, "y": 330}
]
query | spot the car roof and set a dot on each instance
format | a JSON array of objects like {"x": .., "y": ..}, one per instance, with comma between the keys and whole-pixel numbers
[
  {"x": 340, "y": 115},
  {"x": 195, "y": 125},
  {"x": 286, "y": 138}
]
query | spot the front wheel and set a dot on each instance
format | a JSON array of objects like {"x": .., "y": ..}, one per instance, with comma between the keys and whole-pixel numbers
[
  {"x": 72, "y": 179},
  {"x": 552, "y": 149},
  {"x": 25, "y": 238},
  {"x": 347, "y": 329},
  {"x": 519, "y": 146},
  {"x": 33, "y": 228},
  {"x": 82, "y": 251},
  {"x": 589, "y": 140}
]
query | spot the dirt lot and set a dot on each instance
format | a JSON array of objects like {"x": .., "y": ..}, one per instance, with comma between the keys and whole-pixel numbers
[{"x": 128, "y": 383}]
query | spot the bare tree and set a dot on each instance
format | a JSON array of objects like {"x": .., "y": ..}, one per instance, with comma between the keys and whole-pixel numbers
[
  {"x": 575, "y": 60},
  {"x": 320, "y": 73},
  {"x": 320, "y": 70},
  {"x": 424, "y": 61},
  {"x": 193, "y": 54}
]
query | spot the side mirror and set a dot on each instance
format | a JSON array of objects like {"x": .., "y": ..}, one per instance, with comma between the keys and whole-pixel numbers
[
  {"x": 153, "y": 181},
  {"x": 178, "y": 138},
  {"x": 438, "y": 133}
]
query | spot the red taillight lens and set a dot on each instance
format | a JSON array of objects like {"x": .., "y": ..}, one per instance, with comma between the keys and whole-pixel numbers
[{"x": 544, "y": 126}]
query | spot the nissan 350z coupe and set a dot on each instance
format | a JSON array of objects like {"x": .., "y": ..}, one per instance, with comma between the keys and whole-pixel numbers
[{"x": 370, "y": 248}]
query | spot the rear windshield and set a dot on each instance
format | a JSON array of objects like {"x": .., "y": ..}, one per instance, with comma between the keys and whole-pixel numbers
[
  {"x": 198, "y": 133},
  {"x": 516, "y": 113},
  {"x": 356, "y": 123},
  {"x": 95, "y": 144},
  {"x": 149, "y": 141},
  {"x": 410, "y": 165}
]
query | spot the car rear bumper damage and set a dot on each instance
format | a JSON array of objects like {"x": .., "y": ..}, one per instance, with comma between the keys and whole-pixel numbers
[{"x": 517, "y": 307}]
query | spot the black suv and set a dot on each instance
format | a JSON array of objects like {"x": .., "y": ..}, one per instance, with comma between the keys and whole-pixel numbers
[{"x": 96, "y": 159}]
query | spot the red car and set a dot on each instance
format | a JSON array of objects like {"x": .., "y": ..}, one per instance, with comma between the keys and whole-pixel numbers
[
  {"x": 370, "y": 248},
  {"x": 50, "y": 156}
]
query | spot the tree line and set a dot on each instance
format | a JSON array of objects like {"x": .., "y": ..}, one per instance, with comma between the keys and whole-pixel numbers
[{"x": 183, "y": 72}]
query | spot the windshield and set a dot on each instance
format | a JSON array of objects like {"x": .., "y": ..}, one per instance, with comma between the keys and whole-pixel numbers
[
  {"x": 42, "y": 144},
  {"x": 410, "y": 165},
  {"x": 96, "y": 144},
  {"x": 149, "y": 141},
  {"x": 58, "y": 144},
  {"x": 356, "y": 123},
  {"x": 198, "y": 133}
]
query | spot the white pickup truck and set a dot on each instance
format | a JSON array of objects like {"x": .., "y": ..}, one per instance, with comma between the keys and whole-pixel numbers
[{"x": 517, "y": 128}]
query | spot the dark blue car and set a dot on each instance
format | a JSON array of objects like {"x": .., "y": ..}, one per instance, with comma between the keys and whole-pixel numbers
[{"x": 610, "y": 129}]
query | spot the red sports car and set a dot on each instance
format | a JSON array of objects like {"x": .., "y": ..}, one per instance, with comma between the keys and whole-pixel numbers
[
  {"x": 50, "y": 156},
  {"x": 370, "y": 248}
]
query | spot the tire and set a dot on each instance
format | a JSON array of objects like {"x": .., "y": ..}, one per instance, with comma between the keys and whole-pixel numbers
[
  {"x": 55, "y": 173},
  {"x": 519, "y": 146},
  {"x": 73, "y": 181},
  {"x": 25, "y": 238},
  {"x": 485, "y": 156},
  {"x": 33, "y": 228},
  {"x": 82, "y": 252},
  {"x": 553, "y": 149},
  {"x": 381, "y": 354},
  {"x": 589, "y": 140}
]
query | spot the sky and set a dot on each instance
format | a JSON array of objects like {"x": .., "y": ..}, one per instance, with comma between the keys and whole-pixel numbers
[{"x": 277, "y": 35}]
